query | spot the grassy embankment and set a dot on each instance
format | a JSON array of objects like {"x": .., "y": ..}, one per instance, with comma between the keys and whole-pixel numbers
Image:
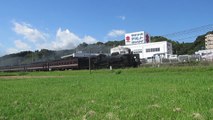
[{"x": 142, "y": 93}]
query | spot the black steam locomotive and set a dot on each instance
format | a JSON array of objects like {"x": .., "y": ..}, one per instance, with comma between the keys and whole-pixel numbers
[{"x": 115, "y": 60}]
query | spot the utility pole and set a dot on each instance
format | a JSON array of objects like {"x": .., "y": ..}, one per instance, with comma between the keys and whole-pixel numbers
[
  {"x": 90, "y": 62},
  {"x": 32, "y": 58}
]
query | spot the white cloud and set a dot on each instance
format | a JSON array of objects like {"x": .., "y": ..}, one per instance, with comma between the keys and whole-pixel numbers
[
  {"x": 28, "y": 32},
  {"x": 21, "y": 45},
  {"x": 122, "y": 17},
  {"x": 1, "y": 52},
  {"x": 89, "y": 40},
  {"x": 12, "y": 50},
  {"x": 65, "y": 40},
  {"x": 116, "y": 33}
]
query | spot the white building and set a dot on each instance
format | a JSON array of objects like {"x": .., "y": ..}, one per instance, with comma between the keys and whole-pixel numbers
[
  {"x": 205, "y": 54},
  {"x": 139, "y": 43},
  {"x": 148, "y": 50}
]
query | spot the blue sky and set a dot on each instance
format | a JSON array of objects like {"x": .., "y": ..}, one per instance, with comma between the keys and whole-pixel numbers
[{"x": 63, "y": 24}]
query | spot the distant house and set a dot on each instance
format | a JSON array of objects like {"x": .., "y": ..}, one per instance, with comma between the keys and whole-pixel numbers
[{"x": 209, "y": 41}]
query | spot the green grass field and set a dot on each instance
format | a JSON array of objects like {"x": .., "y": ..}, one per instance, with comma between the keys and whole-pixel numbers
[{"x": 175, "y": 93}]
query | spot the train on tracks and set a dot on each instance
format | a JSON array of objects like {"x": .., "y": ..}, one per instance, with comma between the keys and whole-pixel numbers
[{"x": 98, "y": 61}]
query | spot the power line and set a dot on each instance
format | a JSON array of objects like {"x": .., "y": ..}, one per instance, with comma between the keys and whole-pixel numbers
[
  {"x": 190, "y": 33},
  {"x": 193, "y": 30},
  {"x": 187, "y": 38}
]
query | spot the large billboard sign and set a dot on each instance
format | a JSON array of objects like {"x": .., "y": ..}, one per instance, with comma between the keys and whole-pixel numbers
[{"x": 137, "y": 38}]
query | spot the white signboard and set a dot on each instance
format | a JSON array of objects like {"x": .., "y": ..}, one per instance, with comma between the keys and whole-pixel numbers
[{"x": 137, "y": 38}]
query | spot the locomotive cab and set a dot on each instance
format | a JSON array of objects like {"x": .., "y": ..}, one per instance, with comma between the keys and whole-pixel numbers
[
  {"x": 123, "y": 57},
  {"x": 120, "y": 50}
]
